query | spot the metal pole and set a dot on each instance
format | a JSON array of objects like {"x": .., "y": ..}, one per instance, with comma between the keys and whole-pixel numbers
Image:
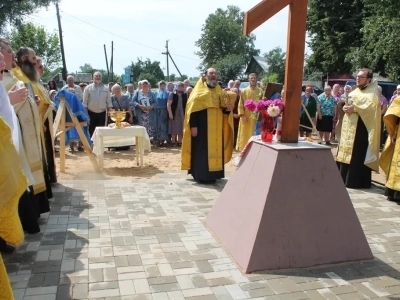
[
  {"x": 64, "y": 70},
  {"x": 108, "y": 70},
  {"x": 112, "y": 61},
  {"x": 175, "y": 65},
  {"x": 166, "y": 46},
  {"x": 167, "y": 54}
]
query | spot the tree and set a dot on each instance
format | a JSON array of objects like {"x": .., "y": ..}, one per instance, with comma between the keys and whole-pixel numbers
[
  {"x": 46, "y": 45},
  {"x": 183, "y": 77},
  {"x": 276, "y": 60},
  {"x": 13, "y": 12},
  {"x": 230, "y": 67},
  {"x": 222, "y": 35},
  {"x": 334, "y": 29},
  {"x": 172, "y": 77},
  {"x": 87, "y": 68},
  {"x": 380, "y": 39},
  {"x": 146, "y": 69}
]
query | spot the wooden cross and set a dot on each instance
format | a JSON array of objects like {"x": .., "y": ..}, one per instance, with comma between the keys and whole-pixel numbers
[{"x": 294, "y": 56}]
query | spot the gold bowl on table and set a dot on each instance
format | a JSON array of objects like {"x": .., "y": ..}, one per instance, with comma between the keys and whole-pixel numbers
[{"x": 117, "y": 116}]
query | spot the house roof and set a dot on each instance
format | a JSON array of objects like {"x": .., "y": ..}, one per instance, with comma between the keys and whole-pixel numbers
[{"x": 257, "y": 65}]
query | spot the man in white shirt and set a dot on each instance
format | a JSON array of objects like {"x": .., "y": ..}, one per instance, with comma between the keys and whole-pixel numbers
[
  {"x": 97, "y": 101},
  {"x": 71, "y": 84}
]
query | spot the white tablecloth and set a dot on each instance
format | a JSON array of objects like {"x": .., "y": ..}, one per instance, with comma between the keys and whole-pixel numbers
[{"x": 112, "y": 137}]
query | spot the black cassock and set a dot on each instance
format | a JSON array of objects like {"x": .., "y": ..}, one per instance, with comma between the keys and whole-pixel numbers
[
  {"x": 199, "y": 156},
  {"x": 357, "y": 175}
]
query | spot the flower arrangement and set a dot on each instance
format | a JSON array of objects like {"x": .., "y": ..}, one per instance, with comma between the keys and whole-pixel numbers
[
  {"x": 273, "y": 107},
  {"x": 268, "y": 110}
]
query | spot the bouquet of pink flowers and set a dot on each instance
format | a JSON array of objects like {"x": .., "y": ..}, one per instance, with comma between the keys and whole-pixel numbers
[{"x": 273, "y": 107}]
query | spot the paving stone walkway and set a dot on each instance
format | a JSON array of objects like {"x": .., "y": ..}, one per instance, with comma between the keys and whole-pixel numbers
[{"x": 144, "y": 239}]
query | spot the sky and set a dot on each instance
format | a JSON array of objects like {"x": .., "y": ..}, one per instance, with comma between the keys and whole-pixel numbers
[{"x": 141, "y": 28}]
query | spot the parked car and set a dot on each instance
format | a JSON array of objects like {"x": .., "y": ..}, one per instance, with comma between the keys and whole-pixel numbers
[
  {"x": 387, "y": 87},
  {"x": 244, "y": 85}
]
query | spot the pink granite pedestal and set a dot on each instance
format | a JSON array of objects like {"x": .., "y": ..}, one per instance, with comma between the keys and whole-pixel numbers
[{"x": 287, "y": 207}]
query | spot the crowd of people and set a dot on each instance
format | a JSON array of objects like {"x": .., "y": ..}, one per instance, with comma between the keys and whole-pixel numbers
[{"x": 206, "y": 121}]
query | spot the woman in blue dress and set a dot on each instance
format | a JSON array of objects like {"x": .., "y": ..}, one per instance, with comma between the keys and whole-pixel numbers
[
  {"x": 162, "y": 113},
  {"x": 145, "y": 103}
]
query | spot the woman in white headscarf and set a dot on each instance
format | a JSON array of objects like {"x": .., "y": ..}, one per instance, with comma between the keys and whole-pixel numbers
[{"x": 162, "y": 113}]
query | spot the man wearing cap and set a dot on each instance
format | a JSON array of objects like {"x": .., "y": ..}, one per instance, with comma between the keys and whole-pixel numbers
[
  {"x": 358, "y": 151},
  {"x": 97, "y": 101}
]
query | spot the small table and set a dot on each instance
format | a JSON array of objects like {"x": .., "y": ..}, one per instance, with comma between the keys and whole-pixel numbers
[{"x": 113, "y": 137}]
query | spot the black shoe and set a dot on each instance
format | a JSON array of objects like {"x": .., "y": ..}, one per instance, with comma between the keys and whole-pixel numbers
[
  {"x": 4, "y": 248},
  {"x": 328, "y": 143},
  {"x": 206, "y": 181}
]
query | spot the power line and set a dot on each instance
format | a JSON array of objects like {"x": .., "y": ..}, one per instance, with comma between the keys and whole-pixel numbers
[{"x": 124, "y": 38}]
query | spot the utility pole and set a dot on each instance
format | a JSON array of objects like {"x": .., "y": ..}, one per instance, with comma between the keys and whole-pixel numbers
[
  {"x": 167, "y": 53},
  {"x": 170, "y": 57},
  {"x": 64, "y": 70},
  {"x": 108, "y": 70},
  {"x": 112, "y": 61}
]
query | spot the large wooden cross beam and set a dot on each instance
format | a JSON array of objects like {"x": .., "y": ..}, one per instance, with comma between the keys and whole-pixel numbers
[{"x": 294, "y": 56}]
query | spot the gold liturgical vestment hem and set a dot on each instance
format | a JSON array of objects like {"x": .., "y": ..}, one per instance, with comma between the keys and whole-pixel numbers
[
  {"x": 390, "y": 157},
  {"x": 367, "y": 107},
  {"x": 13, "y": 183},
  {"x": 220, "y": 129},
  {"x": 246, "y": 129},
  {"x": 28, "y": 116}
]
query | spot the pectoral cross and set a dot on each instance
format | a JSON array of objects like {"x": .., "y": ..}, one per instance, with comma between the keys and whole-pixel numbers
[{"x": 294, "y": 56}]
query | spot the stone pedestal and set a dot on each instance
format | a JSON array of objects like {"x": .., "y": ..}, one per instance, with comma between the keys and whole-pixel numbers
[{"x": 287, "y": 207}]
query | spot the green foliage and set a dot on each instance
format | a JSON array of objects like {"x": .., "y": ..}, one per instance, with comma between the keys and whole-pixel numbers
[
  {"x": 87, "y": 68},
  {"x": 222, "y": 35},
  {"x": 182, "y": 78},
  {"x": 46, "y": 45},
  {"x": 334, "y": 29},
  {"x": 379, "y": 49},
  {"x": 150, "y": 78},
  {"x": 13, "y": 12},
  {"x": 172, "y": 77},
  {"x": 230, "y": 67},
  {"x": 310, "y": 73},
  {"x": 276, "y": 60},
  {"x": 146, "y": 69},
  {"x": 272, "y": 77}
]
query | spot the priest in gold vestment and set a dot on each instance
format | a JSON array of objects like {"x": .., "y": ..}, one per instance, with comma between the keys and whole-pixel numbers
[
  {"x": 247, "y": 124},
  {"x": 208, "y": 130},
  {"x": 13, "y": 183},
  {"x": 358, "y": 150},
  {"x": 390, "y": 157},
  {"x": 26, "y": 72},
  {"x": 34, "y": 201}
]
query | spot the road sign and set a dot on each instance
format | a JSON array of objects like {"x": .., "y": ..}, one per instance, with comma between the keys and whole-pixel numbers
[
  {"x": 126, "y": 79},
  {"x": 128, "y": 71}
]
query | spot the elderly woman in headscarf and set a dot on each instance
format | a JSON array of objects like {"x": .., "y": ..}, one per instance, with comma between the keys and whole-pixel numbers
[
  {"x": 162, "y": 113},
  {"x": 336, "y": 94},
  {"x": 145, "y": 102},
  {"x": 121, "y": 101}
]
